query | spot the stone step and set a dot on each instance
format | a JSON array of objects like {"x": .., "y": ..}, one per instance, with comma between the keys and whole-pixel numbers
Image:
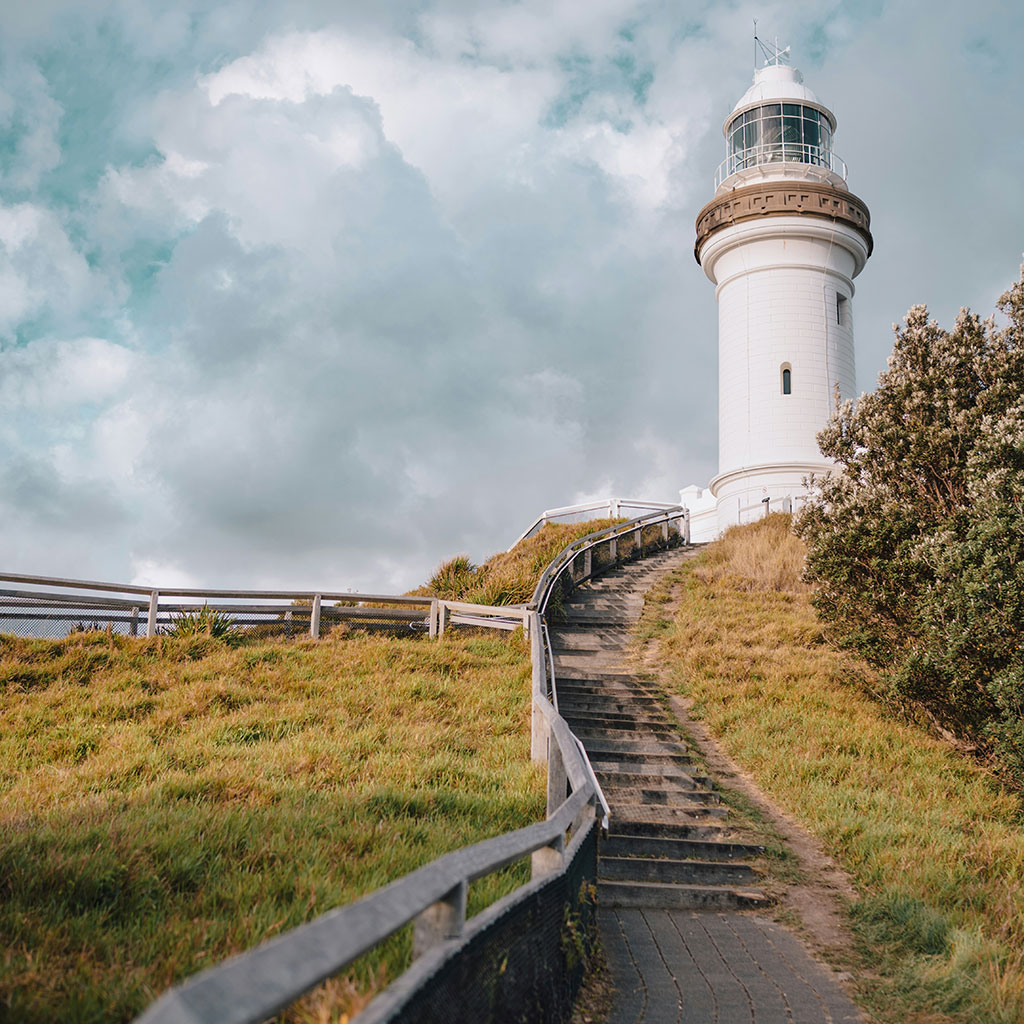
[
  {"x": 661, "y": 796},
  {"x": 598, "y": 689},
  {"x": 665, "y": 813},
  {"x": 602, "y": 619},
  {"x": 620, "y": 722},
  {"x": 650, "y": 776},
  {"x": 677, "y": 897},
  {"x": 675, "y": 872},
  {"x": 630, "y": 749},
  {"x": 714, "y": 831},
  {"x": 588, "y": 660},
  {"x": 626, "y": 731},
  {"x": 597, "y": 676},
  {"x": 596, "y": 711},
  {"x": 584, "y": 701},
  {"x": 584, "y": 601},
  {"x": 618, "y": 760},
  {"x": 676, "y": 849}
]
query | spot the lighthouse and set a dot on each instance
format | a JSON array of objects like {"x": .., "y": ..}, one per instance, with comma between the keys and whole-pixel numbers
[{"x": 782, "y": 240}]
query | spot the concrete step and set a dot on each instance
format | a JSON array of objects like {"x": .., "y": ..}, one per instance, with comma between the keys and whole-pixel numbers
[
  {"x": 651, "y": 776},
  {"x": 618, "y": 760},
  {"x": 626, "y": 731},
  {"x": 588, "y": 660},
  {"x": 585, "y": 699},
  {"x": 677, "y": 897},
  {"x": 676, "y": 849},
  {"x": 675, "y": 872},
  {"x": 661, "y": 796},
  {"x": 714, "y": 831},
  {"x": 630, "y": 749},
  {"x": 621, "y": 726},
  {"x": 604, "y": 689},
  {"x": 666, "y": 813}
]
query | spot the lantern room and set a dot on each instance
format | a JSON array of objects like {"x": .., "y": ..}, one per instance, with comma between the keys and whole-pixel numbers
[{"x": 779, "y": 121}]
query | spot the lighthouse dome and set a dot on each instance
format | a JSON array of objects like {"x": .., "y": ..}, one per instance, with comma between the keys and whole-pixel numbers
[{"x": 778, "y": 83}]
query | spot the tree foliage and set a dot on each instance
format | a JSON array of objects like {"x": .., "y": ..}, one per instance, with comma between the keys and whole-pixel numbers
[{"x": 917, "y": 539}]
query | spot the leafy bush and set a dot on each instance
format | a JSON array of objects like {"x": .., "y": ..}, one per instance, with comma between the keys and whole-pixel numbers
[{"x": 917, "y": 540}]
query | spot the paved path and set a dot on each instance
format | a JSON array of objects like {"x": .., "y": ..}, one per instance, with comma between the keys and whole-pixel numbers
[{"x": 677, "y": 892}]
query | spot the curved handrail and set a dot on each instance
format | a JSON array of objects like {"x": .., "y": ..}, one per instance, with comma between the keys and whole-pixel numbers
[
  {"x": 256, "y": 984},
  {"x": 568, "y": 554}
]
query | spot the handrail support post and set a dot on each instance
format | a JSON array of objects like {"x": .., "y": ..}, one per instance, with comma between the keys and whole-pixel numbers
[
  {"x": 557, "y": 777},
  {"x": 441, "y": 921},
  {"x": 154, "y": 607},
  {"x": 548, "y": 859},
  {"x": 314, "y": 618},
  {"x": 433, "y": 618}
]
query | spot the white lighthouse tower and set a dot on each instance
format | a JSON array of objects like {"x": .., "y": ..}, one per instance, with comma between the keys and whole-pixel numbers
[{"x": 782, "y": 240}]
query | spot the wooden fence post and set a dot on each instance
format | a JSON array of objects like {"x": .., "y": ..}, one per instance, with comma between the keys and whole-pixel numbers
[
  {"x": 314, "y": 618},
  {"x": 548, "y": 859},
  {"x": 557, "y": 778},
  {"x": 154, "y": 606},
  {"x": 441, "y": 921},
  {"x": 433, "y": 618}
]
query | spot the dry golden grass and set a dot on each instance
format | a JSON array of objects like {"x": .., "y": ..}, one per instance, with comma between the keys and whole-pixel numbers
[
  {"x": 935, "y": 846},
  {"x": 509, "y": 576},
  {"x": 165, "y": 803},
  {"x": 764, "y": 556}
]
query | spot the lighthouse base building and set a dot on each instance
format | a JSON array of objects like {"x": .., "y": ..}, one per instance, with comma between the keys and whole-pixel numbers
[{"x": 782, "y": 240}]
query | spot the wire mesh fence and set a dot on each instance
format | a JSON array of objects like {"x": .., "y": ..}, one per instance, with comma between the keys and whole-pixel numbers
[{"x": 525, "y": 966}]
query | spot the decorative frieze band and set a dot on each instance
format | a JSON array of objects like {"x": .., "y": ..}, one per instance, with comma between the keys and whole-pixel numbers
[{"x": 775, "y": 198}]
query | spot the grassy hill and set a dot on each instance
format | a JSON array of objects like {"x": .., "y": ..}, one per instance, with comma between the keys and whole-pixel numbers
[
  {"x": 933, "y": 842},
  {"x": 165, "y": 803}
]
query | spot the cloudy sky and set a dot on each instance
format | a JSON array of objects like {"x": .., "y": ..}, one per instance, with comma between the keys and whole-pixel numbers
[{"x": 317, "y": 293}]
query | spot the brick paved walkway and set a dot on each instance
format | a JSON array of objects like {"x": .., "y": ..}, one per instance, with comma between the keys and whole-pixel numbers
[{"x": 687, "y": 967}]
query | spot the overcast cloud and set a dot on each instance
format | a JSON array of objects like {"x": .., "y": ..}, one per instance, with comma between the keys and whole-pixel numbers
[{"x": 318, "y": 294}]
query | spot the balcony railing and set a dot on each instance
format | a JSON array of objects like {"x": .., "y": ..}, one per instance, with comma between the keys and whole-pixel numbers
[{"x": 773, "y": 154}]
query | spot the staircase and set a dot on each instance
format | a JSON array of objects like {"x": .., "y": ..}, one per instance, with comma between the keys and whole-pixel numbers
[{"x": 670, "y": 845}]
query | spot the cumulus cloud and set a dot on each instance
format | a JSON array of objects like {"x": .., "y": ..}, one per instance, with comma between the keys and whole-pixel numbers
[{"x": 344, "y": 289}]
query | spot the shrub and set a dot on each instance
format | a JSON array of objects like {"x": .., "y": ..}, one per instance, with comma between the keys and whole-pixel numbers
[{"x": 917, "y": 539}]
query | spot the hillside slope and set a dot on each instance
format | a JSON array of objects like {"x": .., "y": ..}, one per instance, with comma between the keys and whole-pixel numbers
[{"x": 935, "y": 846}]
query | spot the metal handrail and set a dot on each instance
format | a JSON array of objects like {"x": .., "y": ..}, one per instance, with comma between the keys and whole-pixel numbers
[
  {"x": 568, "y": 554},
  {"x": 613, "y": 505},
  {"x": 256, "y": 984}
]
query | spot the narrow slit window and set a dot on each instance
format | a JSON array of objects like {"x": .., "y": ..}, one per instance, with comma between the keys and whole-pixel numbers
[
  {"x": 840, "y": 309},
  {"x": 787, "y": 379}
]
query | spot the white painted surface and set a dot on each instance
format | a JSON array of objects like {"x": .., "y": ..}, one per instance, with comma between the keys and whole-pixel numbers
[{"x": 778, "y": 281}]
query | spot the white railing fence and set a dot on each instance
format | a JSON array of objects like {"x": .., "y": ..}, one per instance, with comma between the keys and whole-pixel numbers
[
  {"x": 612, "y": 507},
  {"x": 45, "y": 606}
]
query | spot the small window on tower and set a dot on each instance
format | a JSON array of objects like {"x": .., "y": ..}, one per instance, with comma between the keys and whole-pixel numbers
[
  {"x": 840, "y": 310},
  {"x": 787, "y": 379}
]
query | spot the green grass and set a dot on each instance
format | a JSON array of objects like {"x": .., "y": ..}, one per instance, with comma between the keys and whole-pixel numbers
[
  {"x": 934, "y": 845},
  {"x": 165, "y": 803}
]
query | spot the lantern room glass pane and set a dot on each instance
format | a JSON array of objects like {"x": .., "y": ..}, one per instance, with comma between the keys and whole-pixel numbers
[{"x": 778, "y": 131}]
